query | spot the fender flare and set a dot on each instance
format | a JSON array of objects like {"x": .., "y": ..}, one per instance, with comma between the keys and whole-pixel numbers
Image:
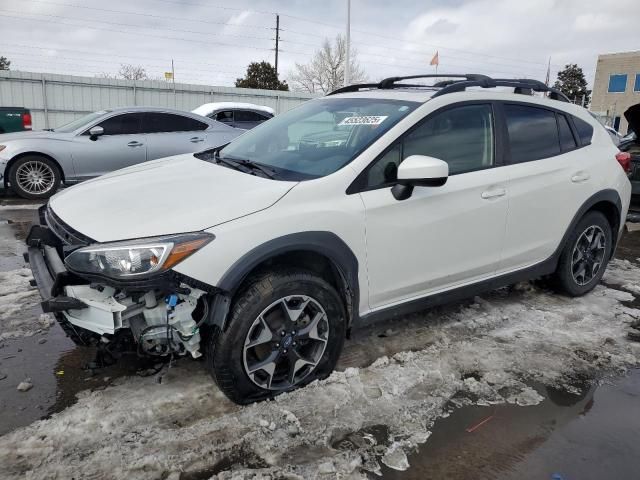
[
  {"x": 609, "y": 196},
  {"x": 325, "y": 243}
]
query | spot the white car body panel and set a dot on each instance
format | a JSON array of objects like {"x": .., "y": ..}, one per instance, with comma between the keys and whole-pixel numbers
[{"x": 181, "y": 194}]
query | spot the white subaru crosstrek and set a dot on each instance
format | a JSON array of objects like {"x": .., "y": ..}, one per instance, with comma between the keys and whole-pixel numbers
[{"x": 261, "y": 255}]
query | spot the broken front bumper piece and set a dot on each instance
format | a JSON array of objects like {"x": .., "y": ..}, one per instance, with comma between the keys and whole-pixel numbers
[{"x": 103, "y": 309}]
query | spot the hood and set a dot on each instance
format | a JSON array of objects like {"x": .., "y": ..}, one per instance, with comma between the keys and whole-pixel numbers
[
  {"x": 172, "y": 195},
  {"x": 633, "y": 117},
  {"x": 29, "y": 134}
]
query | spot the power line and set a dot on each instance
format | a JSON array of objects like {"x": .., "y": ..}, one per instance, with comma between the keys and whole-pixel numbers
[{"x": 150, "y": 15}]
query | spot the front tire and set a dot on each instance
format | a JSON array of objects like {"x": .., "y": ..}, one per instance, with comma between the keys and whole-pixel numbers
[
  {"x": 34, "y": 177},
  {"x": 585, "y": 255},
  {"x": 285, "y": 329}
]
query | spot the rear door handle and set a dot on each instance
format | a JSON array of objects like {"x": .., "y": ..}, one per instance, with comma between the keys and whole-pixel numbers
[
  {"x": 196, "y": 139},
  {"x": 134, "y": 144},
  {"x": 580, "y": 177},
  {"x": 494, "y": 193}
]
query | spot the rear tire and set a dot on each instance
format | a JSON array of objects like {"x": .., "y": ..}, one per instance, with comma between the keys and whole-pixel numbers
[
  {"x": 585, "y": 255},
  {"x": 34, "y": 177},
  {"x": 299, "y": 340}
]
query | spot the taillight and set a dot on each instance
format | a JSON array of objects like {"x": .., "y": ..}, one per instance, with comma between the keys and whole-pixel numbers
[
  {"x": 624, "y": 159},
  {"x": 26, "y": 121}
]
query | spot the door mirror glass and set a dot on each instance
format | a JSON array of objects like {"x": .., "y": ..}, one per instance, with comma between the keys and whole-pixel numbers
[
  {"x": 95, "y": 132},
  {"x": 419, "y": 170}
]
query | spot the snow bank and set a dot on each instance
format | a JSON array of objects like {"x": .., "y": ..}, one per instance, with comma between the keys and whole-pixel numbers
[
  {"x": 16, "y": 296},
  {"x": 483, "y": 353}
]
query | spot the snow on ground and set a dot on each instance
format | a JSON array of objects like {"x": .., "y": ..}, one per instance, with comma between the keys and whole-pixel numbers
[
  {"x": 485, "y": 352},
  {"x": 17, "y": 296}
]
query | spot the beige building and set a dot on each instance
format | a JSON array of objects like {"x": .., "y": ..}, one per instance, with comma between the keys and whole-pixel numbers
[{"x": 616, "y": 87}]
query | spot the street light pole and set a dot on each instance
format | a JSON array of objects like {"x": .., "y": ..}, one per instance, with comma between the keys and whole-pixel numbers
[{"x": 347, "y": 65}]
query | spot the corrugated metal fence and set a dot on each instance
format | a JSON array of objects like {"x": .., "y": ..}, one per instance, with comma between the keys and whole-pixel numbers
[{"x": 57, "y": 99}]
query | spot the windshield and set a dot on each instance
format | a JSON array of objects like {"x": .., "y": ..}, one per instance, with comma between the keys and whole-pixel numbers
[
  {"x": 80, "y": 122},
  {"x": 319, "y": 137}
]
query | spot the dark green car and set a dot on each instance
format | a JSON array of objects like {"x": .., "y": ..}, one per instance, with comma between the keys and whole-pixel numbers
[{"x": 14, "y": 119}]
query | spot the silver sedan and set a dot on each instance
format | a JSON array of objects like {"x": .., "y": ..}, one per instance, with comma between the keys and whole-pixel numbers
[{"x": 34, "y": 164}]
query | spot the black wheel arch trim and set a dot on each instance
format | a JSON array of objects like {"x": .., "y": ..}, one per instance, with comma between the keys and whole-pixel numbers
[
  {"x": 324, "y": 243},
  {"x": 607, "y": 195}
]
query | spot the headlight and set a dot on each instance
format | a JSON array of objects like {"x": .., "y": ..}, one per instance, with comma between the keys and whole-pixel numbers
[{"x": 136, "y": 257}]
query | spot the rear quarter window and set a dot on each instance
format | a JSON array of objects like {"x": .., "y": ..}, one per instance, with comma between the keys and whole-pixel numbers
[{"x": 584, "y": 130}]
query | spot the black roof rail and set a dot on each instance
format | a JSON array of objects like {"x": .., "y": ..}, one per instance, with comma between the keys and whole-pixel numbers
[
  {"x": 459, "y": 83},
  {"x": 390, "y": 82},
  {"x": 354, "y": 88}
]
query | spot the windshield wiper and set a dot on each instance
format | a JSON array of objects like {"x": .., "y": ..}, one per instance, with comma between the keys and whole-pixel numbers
[{"x": 255, "y": 166}]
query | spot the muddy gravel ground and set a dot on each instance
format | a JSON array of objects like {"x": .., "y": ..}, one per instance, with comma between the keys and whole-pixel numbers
[{"x": 409, "y": 396}]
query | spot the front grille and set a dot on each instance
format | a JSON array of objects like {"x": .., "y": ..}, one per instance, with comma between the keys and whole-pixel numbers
[{"x": 64, "y": 232}]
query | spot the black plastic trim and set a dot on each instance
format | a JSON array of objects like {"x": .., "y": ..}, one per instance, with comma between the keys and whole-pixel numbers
[{"x": 324, "y": 243}]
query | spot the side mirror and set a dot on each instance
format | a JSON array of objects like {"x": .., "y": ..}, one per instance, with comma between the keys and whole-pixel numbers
[
  {"x": 95, "y": 132},
  {"x": 422, "y": 171}
]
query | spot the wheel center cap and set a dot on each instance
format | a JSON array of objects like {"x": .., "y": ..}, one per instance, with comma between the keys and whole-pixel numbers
[{"x": 287, "y": 341}]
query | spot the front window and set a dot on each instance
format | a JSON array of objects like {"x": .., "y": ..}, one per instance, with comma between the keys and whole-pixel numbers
[
  {"x": 81, "y": 122},
  {"x": 319, "y": 137}
]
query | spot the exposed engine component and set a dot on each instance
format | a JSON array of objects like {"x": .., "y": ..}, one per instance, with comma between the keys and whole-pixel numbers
[
  {"x": 167, "y": 324},
  {"x": 160, "y": 323}
]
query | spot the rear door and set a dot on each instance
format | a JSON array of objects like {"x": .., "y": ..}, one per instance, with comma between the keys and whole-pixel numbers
[
  {"x": 550, "y": 177},
  {"x": 120, "y": 146},
  {"x": 169, "y": 134}
]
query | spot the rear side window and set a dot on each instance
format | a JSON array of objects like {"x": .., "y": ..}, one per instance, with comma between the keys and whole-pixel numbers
[
  {"x": 567, "y": 141},
  {"x": 533, "y": 133},
  {"x": 585, "y": 131},
  {"x": 168, "y": 122},
  {"x": 226, "y": 116},
  {"x": 248, "y": 116},
  {"x": 126, "y": 124}
]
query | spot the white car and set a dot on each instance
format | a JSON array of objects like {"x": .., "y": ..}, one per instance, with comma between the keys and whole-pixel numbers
[
  {"x": 236, "y": 114},
  {"x": 262, "y": 255}
]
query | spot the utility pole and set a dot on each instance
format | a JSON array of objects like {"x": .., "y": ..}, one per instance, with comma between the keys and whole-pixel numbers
[
  {"x": 173, "y": 79},
  {"x": 277, "y": 40},
  {"x": 347, "y": 65}
]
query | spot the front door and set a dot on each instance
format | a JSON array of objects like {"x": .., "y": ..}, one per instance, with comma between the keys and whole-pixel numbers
[
  {"x": 120, "y": 146},
  {"x": 440, "y": 237}
]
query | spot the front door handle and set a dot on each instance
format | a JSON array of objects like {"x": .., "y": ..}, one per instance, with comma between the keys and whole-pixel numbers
[
  {"x": 580, "y": 177},
  {"x": 494, "y": 193},
  {"x": 196, "y": 139},
  {"x": 134, "y": 144}
]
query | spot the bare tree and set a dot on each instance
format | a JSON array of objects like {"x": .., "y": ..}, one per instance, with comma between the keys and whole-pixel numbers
[
  {"x": 128, "y": 72},
  {"x": 325, "y": 72},
  {"x": 132, "y": 72}
]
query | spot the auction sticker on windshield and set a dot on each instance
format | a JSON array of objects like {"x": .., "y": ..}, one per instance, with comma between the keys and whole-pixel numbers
[{"x": 364, "y": 120}]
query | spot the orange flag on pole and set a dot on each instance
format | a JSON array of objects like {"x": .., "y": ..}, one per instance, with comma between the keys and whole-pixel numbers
[{"x": 435, "y": 60}]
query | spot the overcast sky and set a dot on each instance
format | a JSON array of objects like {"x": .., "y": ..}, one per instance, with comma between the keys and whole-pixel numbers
[{"x": 211, "y": 42}]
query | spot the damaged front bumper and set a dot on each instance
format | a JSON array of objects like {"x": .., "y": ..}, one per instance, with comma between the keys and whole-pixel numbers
[{"x": 162, "y": 315}]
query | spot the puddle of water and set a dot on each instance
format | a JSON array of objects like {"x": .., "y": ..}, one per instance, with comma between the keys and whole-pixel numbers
[{"x": 572, "y": 435}]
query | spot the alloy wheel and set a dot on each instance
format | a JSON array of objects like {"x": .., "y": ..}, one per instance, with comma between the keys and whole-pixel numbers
[
  {"x": 588, "y": 255},
  {"x": 35, "y": 177},
  {"x": 286, "y": 342}
]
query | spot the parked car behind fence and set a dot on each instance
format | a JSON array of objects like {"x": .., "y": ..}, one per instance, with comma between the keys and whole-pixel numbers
[
  {"x": 14, "y": 119},
  {"x": 34, "y": 164},
  {"x": 238, "y": 115}
]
